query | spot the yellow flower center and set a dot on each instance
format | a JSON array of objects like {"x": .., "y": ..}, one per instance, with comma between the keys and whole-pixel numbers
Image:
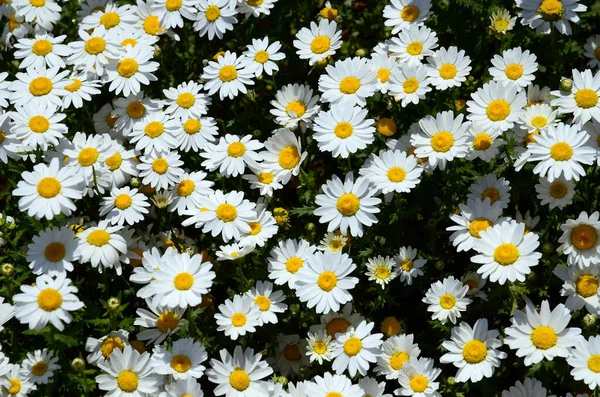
[
  {"x": 123, "y": 201},
  {"x": 183, "y": 281},
  {"x": 265, "y": 177},
  {"x": 255, "y": 228},
  {"x": 41, "y": 48},
  {"x": 333, "y": 394},
  {"x": 54, "y": 252},
  {"x": 482, "y": 141},
  {"x": 320, "y": 44},
  {"x": 327, "y": 281},
  {"x": 74, "y": 86},
  {"x": 586, "y": 285},
  {"x": 15, "y": 386},
  {"x": 383, "y": 75},
  {"x": 49, "y": 299},
  {"x": 584, "y": 237},
  {"x": 539, "y": 121},
  {"x": 110, "y": 20},
  {"x": 386, "y": 126},
  {"x": 297, "y": 107},
  {"x": 544, "y": 337},
  {"x": 88, "y": 156},
  {"x": 181, "y": 363},
  {"x": 226, "y": 212},
  {"x": 551, "y": 10},
  {"x": 98, "y": 238},
  {"x": 586, "y": 98},
  {"x": 263, "y": 303},
  {"x": 498, "y": 110},
  {"x": 337, "y": 325},
  {"x": 238, "y": 319},
  {"x": 127, "y": 381},
  {"x": 410, "y": 85},
  {"x": 348, "y": 204},
  {"x": 129, "y": 41},
  {"x": 407, "y": 265},
  {"x": 343, "y": 130},
  {"x": 492, "y": 193},
  {"x": 136, "y": 110},
  {"x": 410, "y": 13},
  {"x": 561, "y": 151},
  {"x": 415, "y": 48},
  {"x": 477, "y": 225},
  {"x": 594, "y": 363},
  {"x": 396, "y": 174},
  {"x": 447, "y": 301},
  {"x": 474, "y": 351},
  {"x": 261, "y": 56},
  {"x": 352, "y": 346},
  {"x": 114, "y": 162},
  {"x": 13, "y": 23},
  {"x": 227, "y": 73},
  {"x": 173, "y": 5},
  {"x": 152, "y": 26},
  {"x": 167, "y": 321},
  {"x": 320, "y": 347},
  {"x": 37, "y": 3},
  {"x": 506, "y": 254},
  {"x": 514, "y": 71},
  {"x": 186, "y": 100},
  {"x": 39, "y": 368},
  {"x": 160, "y": 166},
  {"x": 397, "y": 360},
  {"x": 442, "y": 141},
  {"x": 95, "y": 45},
  {"x": 127, "y": 67},
  {"x": 500, "y": 25},
  {"x": 40, "y": 86},
  {"x": 448, "y": 71},
  {"x": 154, "y": 129},
  {"x": 192, "y": 126},
  {"x": 38, "y": 124},
  {"x": 255, "y": 3},
  {"x": 48, "y": 187},
  {"x": 382, "y": 272},
  {"x": 109, "y": 344},
  {"x": 289, "y": 157},
  {"x": 212, "y": 13},
  {"x": 239, "y": 379},
  {"x": 185, "y": 187},
  {"x": 336, "y": 245},
  {"x": 558, "y": 189},
  {"x": 294, "y": 264},
  {"x": 418, "y": 383},
  {"x": 349, "y": 85},
  {"x": 292, "y": 353},
  {"x": 328, "y": 13}
]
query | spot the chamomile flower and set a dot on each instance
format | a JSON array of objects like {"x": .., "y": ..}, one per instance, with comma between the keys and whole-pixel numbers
[
  {"x": 289, "y": 355},
  {"x": 190, "y": 188},
  {"x": 403, "y": 14},
  {"x": 396, "y": 351},
  {"x": 347, "y": 205},
  {"x": 101, "y": 245},
  {"x": 474, "y": 217},
  {"x": 560, "y": 152},
  {"x": 384, "y": 66},
  {"x": 149, "y": 22},
  {"x": 80, "y": 89},
  {"x": 264, "y": 180},
  {"x": 580, "y": 287},
  {"x": 343, "y": 130},
  {"x": 284, "y": 154},
  {"x": 441, "y": 139},
  {"x": 483, "y": 144},
  {"x": 131, "y": 110},
  {"x": 319, "y": 42},
  {"x": 448, "y": 68},
  {"x": 214, "y": 18},
  {"x": 413, "y": 45},
  {"x": 584, "y": 358},
  {"x": 491, "y": 187},
  {"x": 102, "y": 348},
  {"x": 159, "y": 322},
  {"x": 473, "y": 351},
  {"x": 52, "y": 251},
  {"x": 320, "y": 346},
  {"x": 124, "y": 205},
  {"x": 16, "y": 382},
  {"x": 287, "y": 259},
  {"x": 417, "y": 378},
  {"x": 324, "y": 281},
  {"x": 583, "y": 99},
  {"x": 231, "y": 155},
  {"x": 502, "y": 22},
  {"x": 538, "y": 117},
  {"x": 495, "y": 107},
  {"x": 348, "y": 83},
  {"x": 381, "y": 270},
  {"x": 185, "y": 360},
  {"x": 529, "y": 387},
  {"x": 255, "y": 7},
  {"x": 120, "y": 164},
  {"x": 515, "y": 68},
  {"x": 155, "y": 133},
  {"x": 268, "y": 301},
  {"x": 580, "y": 239},
  {"x": 447, "y": 300},
  {"x": 161, "y": 170},
  {"x": 238, "y": 316},
  {"x": 356, "y": 348},
  {"x": 45, "y": 14},
  {"x": 195, "y": 134},
  {"x": 187, "y": 387},
  {"x": 592, "y": 53},
  {"x": 39, "y": 86},
  {"x": 558, "y": 193},
  {"x": 49, "y": 190},
  {"x": 294, "y": 106},
  {"x": 261, "y": 55},
  {"x": 40, "y": 366},
  {"x": 38, "y": 124},
  {"x": 408, "y": 267},
  {"x": 42, "y": 51},
  {"x": 172, "y": 12},
  {"x": 228, "y": 75},
  {"x": 475, "y": 282},
  {"x": 332, "y": 385},
  {"x": 262, "y": 228},
  {"x": 133, "y": 68},
  {"x": 393, "y": 171},
  {"x": 409, "y": 84},
  {"x": 593, "y": 129},
  {"x": 112, "y": 16},
  {"x": 49, "y": 301},
  {"x": 541, "y": 335},
  {"x": 231, "y": 252},
  {"x": 372, "y": 388},
  {"x": 240, "y": 374},
  {"x": 333, "y": 242},
  {"x": 186, "y": 101},
  {"x": 542, "y": 14},
  {"x": 9, "y": 144}
]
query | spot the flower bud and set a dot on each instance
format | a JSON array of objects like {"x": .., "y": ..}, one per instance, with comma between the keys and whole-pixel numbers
[
  {"x": 7, "y": 269},
  {"x": 361, "y": 52},
  {"x": 135, "y": 182},
  {"x": 547, "y": 248},
  {"x": 283, "y": 380},
  {"x": 157, "y": 51},
  {"x": 113, "y": 303},
  {"x": 566, "y": 85},
  {"x": 78, "y": 364},
  {"x": 451, "y": 380},
  {"x": 310, "y": 227},
  {"x": 439, "y": 265},
  {"x": 589, "y": 320}
]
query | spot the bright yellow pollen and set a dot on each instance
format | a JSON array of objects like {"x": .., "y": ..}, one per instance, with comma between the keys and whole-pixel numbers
[
  {"x": 561, "y": 151},
  {"x": 382, "y": 272},
  {"x": 98, "y": 238},
  {"x": 181, "y": 363},
  {"x": 186, "y": 100},
  {"x": 558, "y": 189},
  {"x": 127, "y": 381},
  {"x": 265, "y": 177},
  {"x": 152, "y": 25},
  {"x": 500, "y": 25},
  {"x": 88, "y": 156},
  {"x": 261, "y": 56},
  {"x": 336, "y": 245},
  {"x": 40, "y": 86},
  {"x": 48, "y": 187},
  {"x": 327, "y": 281},
  {"x": 352, "y": 346},
  {"x": 110, "y": 20},
  {"x": 594, "y": 363},
  {"x": 192, "y": 126},
  {"x": 49, "y": 299},
  {"x": 13, "y": 23},
  {"x": 289, "y": 157},
  {"x": 586, "y": 98},
  {"x": 37, "y": 3},
  {"x": 239, "y": 379},
  {"x": 135, "y": 110},
  {"x": 477, "y": 225},
  {"x": 185, "y": 187},
  {"x": 337, "y": 325},
  {"x": 343, "y": 130},
  {"x": 74, "y": 86},
  {"x": 255, "y": 3},
  {"x": 398, "y": 359},
  {"x": 167, "y": 321},
  {"x": 474, "y": 351},
  {"x": 95, "y": 45},
  {"x": 348, "y": 204},
  {"x": 160, "y": 166},
  {"x": 154, "y": 129},
  {"x": 15, "y": 387},
  {"x": 39, "y": 368},
  {"x": 227, "y": 73},
  {"x": 447, "y": 301},
  {"x": 383, "y": 75},
  {"x": 328, "y": 13},
  {"x": 349, "y": 85},
  {"x": 127, "y": 67},
  {"x": 442, "y": 141},
  {"x": 407, "y": 265},
  {"x": 238, "y": 319},
  {"x": 262, "y": 302},
  {"x": 38, "y": 124},
  {"x": 498, "y": 110},
  {"x": 544, "y": 337},
  {"x": 448, "y": 71},
  {"x": 55, "y": 252},
  {"x": 212, "y": 13},
  {"x": 482, "y": 141},
  {"x": 410, "y": 85},
  {"x": 492, "y": 193},
  {"x": 396, "y": 174},
  {"x": 410, "y": 13},
  {"x": 419, "y": 383},
  {"x": 539, "y": 121},
  {"x": 333, "y": 394},
  {"x": 320, "y": 347},
  {"x": 586, "y": 285},
  {"x": 183, "y": 281},
  {"x": 41, "y": 48},
  {"x": 296, "y": 109},
  {"x": 386, "y": 126},
  {"x": 294, "y": 264},
  {"x": 114, "y": 162},
  {"x": 111, "y": 343},
  {"x": 320, "y": 44},
  {"x": 415, "y": 48},
  {"x": 292, "y": 353},
  {"x": 584, "y": 237},
  {"x": 173, "y": 5},
  {"x": 506, "y": 254},
  {"x": 551, "y": 10},
  {"x": 255, "y": 228},
  {"x": 226, "y": 212},
  {"x": 129, "y": 41},
  {"x": 123, "y": 201},
  {"x": 514, "y": 71}
]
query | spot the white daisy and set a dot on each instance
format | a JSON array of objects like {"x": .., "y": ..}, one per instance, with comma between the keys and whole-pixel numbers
[
  {"x": 409, "y": 84},
  {"x": 190, "y": 188},
  {"x": 7, "y": 311},
  {"x": 584, "y": 357},
  {"x": 515, "y": 68},
  {"x": 483, "y": 144},
  {"x": 268, "y": 301},
  {"x": 332, "y": 385},
  {"x": 558, "y": 193},
  {"x": 381, "y": 270},
  {"x": 80, "y": 89},
  {"x": 448, "y": 68},
  {"x": 447, "y": 300},
  {"x": 538, "y": 117},
  {"x": 261, "y": 55},
  {"x": 580, "y": 287},
  {"x": 294, "y": 106},
  {"x": 195, "y": 134},
  {"x": 113, "y": 17},
  {"x": 592, "y": 51},
  {"x": 356, "y": 349},
  {"x": 319, "y": 42},
  {"x": 43, "y": 51},
  {"x": 133, "y": 68},
  {"x": 124, "y": 205},
  {"x": 254, "y": 7},
  {"x": 582, "y": 101},
  {"x": 186, "y": 101},
  {"x": 474, "y": 217},
  {"x": 183, "y": 362},
  {"x": 407, "y": 266},
  {"x": 384, "y": 66},
  {"x": 542, "y": 14},
  {"x": 491, "y": 187},
  {"x": 44, "y": 14},
  {"x": 402, "y": 14},
  {"x": 333, "y": 242},
  {"x": 417, "y": 378},
  {"x": 475, "y": 282},
  {"x": 396, "y": 351},
  {"x": 39, "y": 86},
  {"x": 289, "y": 354},
  {"x": 40, "y": 366},
  {"x": 287, "y": 259},
  {"x": 170, "y": 12},
  {"x": 580, "y": 239},
  {"x": 16, "y": 382},
  {"x": 214, "y": 18},
  {"x": 52, "y": 251},
  {"x": 529, "y": 387},
  {"x": 160, "y": 170},
  {"x": 495, "y": 107},
  {"x": 238, "y": 316},
  {"x": 102, "y": 348},
  {"x": 348, "y": 83},
  {"x": 131, "y": 110},
  {"x": 284, "y": 154},
  {"x": 228, "y": 75},
  {"x": 392, "y": 171},
  {"x": 38, "y": 124},
  {"x": 320, "y": 346},
  {"x": 412, "y": 45},
  {"x": 502, "y": 22},
  {"x": 231, "y": 155},
  {"x": 158, "y": 323},
  {"x": 102, "y": 244}
]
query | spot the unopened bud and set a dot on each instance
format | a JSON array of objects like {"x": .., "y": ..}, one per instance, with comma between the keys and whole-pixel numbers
[
  {"x": 361, "y": 52},
  {"x": 566, "y": 85},
  {"x": 7, "y": 269},
  {"x": 451, "y": 380},
  {"x": 589, "y": 320},
  {"x": 78, "y": 364},
  {"x": 113, "y": 303},
  {"x": 310, "y": 227},
  {"x": 283, "y": 380},
  {"x": 135, "y": 182},
  {"x": 547, "y": 248},
  {"x": 439, "y": 265}
]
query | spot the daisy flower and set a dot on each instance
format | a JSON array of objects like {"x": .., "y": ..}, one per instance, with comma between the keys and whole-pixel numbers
[
  {"x": 324, "y": 282},
  {"x": 121, "y": 165},
  {"x": 238, "y": 316},
  {"x": 289, "y": 355},
  {"x": 261, "y": 55},
  {"x": 403, "y": 14},
  {"x": 320, "y": 346},
  {"x": 347, "y": 205},
  {"x": 159, "y": 322},
  {"x": 474, "y": 217},
  {"x": 264, "y": 180},
  {"x": 185, "y": 360},
  {"x": 409, "y": 84},
  {"x": 113, "y": 17},
  {"x": 473, "y": 351},
  {"x": 269, "y": 302},
  {"x": 133, "y": 68},
  {"x": 160, "y": 170},
  {"x": 189, "y": 387},
  {"x": 538, "y": 117},
  {"x": 580, "y": 239},
  {"x": 412, "y": 45},
  {"x": 148, "y": 21},
  {"x": 231, "y": 252},
  {"x": 332, "y": 385},
  {"x": 43, "y": 51},
  {"x": 475, "y": 283},
  {"x": 16, "y": 382},
  {"x": 49, "y": 190},
  {"x": 190, "y": 188},
  {"x": 102, "y": 244},
  {"x": 384, "y": 66},
  {"x": 319, "y": 42},
  {"x": 355, "y": 349},
  {"x": 284, "y": 154},
  {"x": 128, "y": 373},
  {"x": 408, "y": 267},
  {"x": 417, "y": 378},
  {"x": 529, "y": 387},
  {"x": 396, "y": 351},
  {"x": 131, "y": 110},
  {"x": 558, "y": 193},
  {"x": 495, "y": 107},
  {"x": 441, "y": 139},
  {"x": 44, "y": 14},
  {"x": 491, "y": 187},
  {"x": 80, "y": 89},
  {"x": 592, "y": 51},
  {"x": 124, "y": 205},
  {"x": 348, "y": 83},
  {"x": 86, "y": 156},
  {"x": 52, "y": 251},
  {"x": 186, "y": 101},
  {"x": 40, "y": 366},
  {"x": 255, "y": 7},
  {"x": 40, "y": 86},
  {"x": 214, "y": 18},
  {"x": 447, "y": 300},
  {"x": 515, "y": 68},
  {"x": 38, "y": 124},
  {"x": 231, "y": 155},
  {"x": 582, "y": 101},
  {"x": 542, "y": 14},
  {"x": 228, "y": 75},
  {"x": 584, "y": 358},
  {"x": 170, "y": 12},
  {"x": 155, "y": 133},
  {"x": 448, "y": 68},
  {"x": 343, "y": 130},
  {"x": 483, "y": 144},
  {"x": 49, "y": 301},
  {"x": 502, "y": 22},
  {"x": 561, "y": 151},
  {"x": 593, "y": 129},
  {"x": 102, "y": 348},
  {"x": 240, "y": 374},
  {"x": 287, "y": 259},
  {"x": 294, "y": 106},
  {"x": 372, "y": 388},
  {"x": 381, "y": 270},
  {"x": 536, "y": 336},
  {"x": 338, "y": 322},
  {"x": 262, "y": 228},
  {"x": 580, "y": 287},
  {"x": 10, "y": 145},
  {"x": 195, "y": 134},
  {"x": 333, "y": 242}
]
